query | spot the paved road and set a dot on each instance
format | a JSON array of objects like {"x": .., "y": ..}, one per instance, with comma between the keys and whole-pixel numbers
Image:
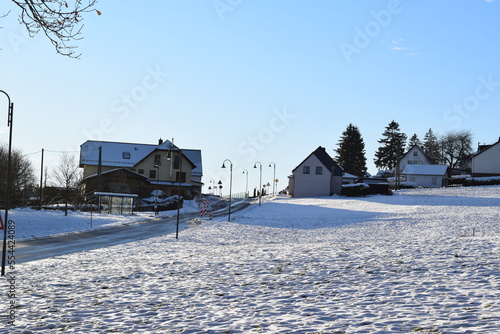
[{"x": 37, "y": 249}]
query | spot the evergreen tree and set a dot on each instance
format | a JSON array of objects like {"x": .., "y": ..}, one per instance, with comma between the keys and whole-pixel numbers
[
  {"x": 431, "y": 147},
  {"x": 351, "y": 152},
  {"x": 392, "y": 147},
  {"x": 414, "y": 141}
]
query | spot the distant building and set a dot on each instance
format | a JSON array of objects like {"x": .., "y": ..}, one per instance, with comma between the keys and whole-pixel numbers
[
  {"x": 349, "y": 178},
  {"x": 132, "y": 168},
  {"x": 427, "y": 176},
  {"x": 318, "y": 175},
  {"x": 414, "y": 156},
  {"x": 486, "y": 161}
]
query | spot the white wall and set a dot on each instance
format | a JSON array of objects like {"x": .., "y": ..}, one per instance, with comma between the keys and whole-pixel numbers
[
  {"x": 419, "y": 159},
  {"x": 487, "y": 162},
  {"x": 311, "y": 185},
  {"x": 425, "y": 180}
]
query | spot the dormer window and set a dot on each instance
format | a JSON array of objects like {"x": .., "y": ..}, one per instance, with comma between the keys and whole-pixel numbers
[{"x": 126, "y": 155}]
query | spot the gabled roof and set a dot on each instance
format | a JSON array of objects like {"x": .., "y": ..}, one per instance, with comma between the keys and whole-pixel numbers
[
  {"x": 421, "y": 150},
  {"x": 439, "y": 170},
  {"x": 326, "y": 160},
  {"x": 483, "y": 148},
  {"x": 195, "y": 157},
  {"x": 119, "y": 154}
]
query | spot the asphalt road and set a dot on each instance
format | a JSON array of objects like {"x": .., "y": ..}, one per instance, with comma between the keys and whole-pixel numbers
[{"x": 37, "y": 249}]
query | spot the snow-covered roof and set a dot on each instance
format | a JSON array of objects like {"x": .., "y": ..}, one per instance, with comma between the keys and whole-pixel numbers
[
  {"x": 195, "y": 157},
  {"x": 118, "y": 154},
  {"x": 326, "y": 160},
  {"x": 425, "y": 170},
  {"x": 349, "y": 176}
]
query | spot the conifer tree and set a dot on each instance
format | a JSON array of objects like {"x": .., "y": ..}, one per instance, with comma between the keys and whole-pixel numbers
[
  {"x": 414, "y": 141},
  {"x": 431, "y": 147},
  {"x": 392, "y": 147},
  {"x": 351, "y": 152}
]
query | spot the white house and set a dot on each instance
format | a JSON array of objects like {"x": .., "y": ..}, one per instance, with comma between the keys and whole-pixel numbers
[
  {"x": 349, "y": 178},
  {"x": 486, "y": 161},
  {"x": 318, "y": 175},
  {"x": 428, "y": 176},
  {"x": 414, "y": 156}
]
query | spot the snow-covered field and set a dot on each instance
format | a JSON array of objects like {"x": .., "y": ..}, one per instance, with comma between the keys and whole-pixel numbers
[
  {"x": 423, "y": 261},
  {"x": 31, "y": 224}
]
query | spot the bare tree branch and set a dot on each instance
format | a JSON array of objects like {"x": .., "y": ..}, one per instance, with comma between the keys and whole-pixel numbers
[{"x": 60, "y": 22}]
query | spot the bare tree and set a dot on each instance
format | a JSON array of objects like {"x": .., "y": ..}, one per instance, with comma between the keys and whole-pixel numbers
[
  {"x": 456, "y": 148},
  {"x": 66, "y": 175},
  {"x": 60, "y": 21},
  {"x": 22, "y": 175}
]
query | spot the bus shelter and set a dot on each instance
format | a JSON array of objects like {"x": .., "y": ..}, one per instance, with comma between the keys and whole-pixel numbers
[{"x": 115, "y": 203}]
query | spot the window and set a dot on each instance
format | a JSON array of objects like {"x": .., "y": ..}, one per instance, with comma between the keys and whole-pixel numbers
[
  {"x": 306, "y": 170},
  {"x": 177, "y": 162},
  {"x": 319, "y": 170},
  {"x": 152, "y": 174},
  {"x": 157, "y": 160},
  {"x": 415, "y": 153},
  {"x": 412, "y": 178},
  {"x": 140, "y": 171},
  {"x": 126, "y": 155},
  {"x": 183, "y": 177}
]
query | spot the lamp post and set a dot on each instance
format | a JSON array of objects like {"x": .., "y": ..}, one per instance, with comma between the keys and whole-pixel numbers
[
  {"x": 260, "y": 181},
  {"x": 274, "y": 175},
  {"x": 179, "y": 177},
  {"x": 246, "y": 187},
  {"x": 7, "y": 194},
  {"x": 230, "y": 184},
  {"x": 157, "y": 165}
]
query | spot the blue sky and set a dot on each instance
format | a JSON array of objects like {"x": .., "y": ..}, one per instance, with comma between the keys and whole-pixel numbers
[{"x": 255, "y": 80}]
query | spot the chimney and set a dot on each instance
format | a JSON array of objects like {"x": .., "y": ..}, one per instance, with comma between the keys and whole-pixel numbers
[{"x": 160, "y": 141}]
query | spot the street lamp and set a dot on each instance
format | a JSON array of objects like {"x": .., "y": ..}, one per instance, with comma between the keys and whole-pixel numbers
[
  {"x": 157, "y": 165},
  {"x": 230, "y": 184},
  {"x": 260, "y": 180},
  {"x": 7, "y": 193},
  {"x": 246, "y": 187},
  {"x": 170, "y": 156},
  {"x": 274, "y": 175}
]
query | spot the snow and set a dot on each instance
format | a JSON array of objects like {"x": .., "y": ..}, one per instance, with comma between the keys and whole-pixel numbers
[
  {"x": 425, "y": 170},
  {"x": 423, "y": 260},
  {"x": 32, "y": 224}
]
